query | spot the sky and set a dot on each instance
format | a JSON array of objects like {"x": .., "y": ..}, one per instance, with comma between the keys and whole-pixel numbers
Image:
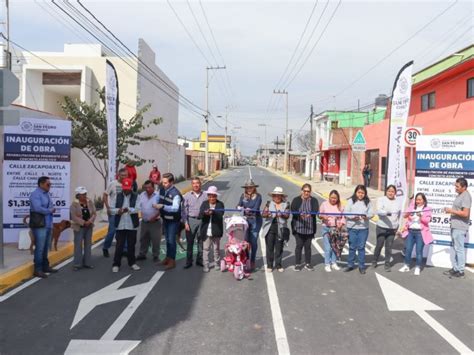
[{"x": 351, "y": 51}]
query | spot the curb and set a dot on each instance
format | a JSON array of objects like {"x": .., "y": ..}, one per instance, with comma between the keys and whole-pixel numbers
[{"x": 25, "y": 271}]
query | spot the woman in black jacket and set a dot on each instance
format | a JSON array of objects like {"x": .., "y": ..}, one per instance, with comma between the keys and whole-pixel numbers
[
  {"x": 212, "y": 226},
  {"x": 303, "y": 226}
]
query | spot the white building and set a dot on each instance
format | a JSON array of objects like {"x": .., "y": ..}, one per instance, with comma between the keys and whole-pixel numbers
[{"x": 47, "y": 77}]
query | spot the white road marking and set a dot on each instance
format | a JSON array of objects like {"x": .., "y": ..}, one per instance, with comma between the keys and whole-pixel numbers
[
  {"x": 277, "y": 317},
  {"x": 36, "y": 279},
  {"x": 250, "y": 172},
  {"x": 399, "y": 298},
  {"x": 107, "y": 343},
  {"x": 83, "y": 347},
  {"x": 470, "y": 269}
]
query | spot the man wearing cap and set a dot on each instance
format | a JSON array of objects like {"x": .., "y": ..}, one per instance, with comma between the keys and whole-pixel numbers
[
  {"x": 250, "y": 201},
  {"x": 126, "y": 224},
  {"x": 155, "y": 176},
  {"x": 109, "y": 197},
  {"x": 82, "y": 216},
  {"x": 190, "y": 216},
  {"x": 41, "y": 223},
  {"x": 170, "y": 204},
  {"x": 150, "y": 226}
]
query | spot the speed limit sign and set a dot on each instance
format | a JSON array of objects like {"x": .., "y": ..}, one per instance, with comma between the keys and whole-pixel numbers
[{"x": 410, "y": 135}]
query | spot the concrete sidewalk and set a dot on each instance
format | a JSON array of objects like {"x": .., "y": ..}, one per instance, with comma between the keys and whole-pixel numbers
[
  {"x": 19, "y": 263},
  {"x": 323, "y": 188}
]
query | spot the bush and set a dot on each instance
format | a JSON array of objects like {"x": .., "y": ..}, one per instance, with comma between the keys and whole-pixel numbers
[{"x": 180, "y": 178}]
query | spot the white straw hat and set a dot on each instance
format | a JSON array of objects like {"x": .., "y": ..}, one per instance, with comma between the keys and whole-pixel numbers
[
  {"x": 212, "y": 190},
  {"x": 80, "y": 190},
  {"x": 277, "y": 191}
]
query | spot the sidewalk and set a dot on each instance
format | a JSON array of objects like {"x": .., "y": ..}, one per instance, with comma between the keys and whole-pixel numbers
[
  {"x": 19, "y": 263},
  {"x": 323, "y": 188}
]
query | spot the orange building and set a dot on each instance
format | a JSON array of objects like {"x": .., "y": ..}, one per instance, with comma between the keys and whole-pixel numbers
[{"x": 442, "y": 102}]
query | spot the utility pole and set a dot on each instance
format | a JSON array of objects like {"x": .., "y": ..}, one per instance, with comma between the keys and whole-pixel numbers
[
  {"x": 266, "y": 147},
  {"x": 311, "y": 147},
  {"x": 285, "y": 159},
  {"x": 225, "y": 138},
  {"x": 206, "y": 117}
]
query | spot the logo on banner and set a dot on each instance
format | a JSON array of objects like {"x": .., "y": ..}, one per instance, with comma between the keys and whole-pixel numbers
[
  {"x": 435, "y": 143},
  {"x": 26, "y": 126},
  {"x": 403, "y": 85}
]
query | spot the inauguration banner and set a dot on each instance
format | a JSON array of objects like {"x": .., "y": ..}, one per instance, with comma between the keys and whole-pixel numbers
[
  {"x": 440, "y": 160},
  {"x": 34, "y": 148},
  {"x": 111, "y": 106},
  {"x": 401, "y": 96}
]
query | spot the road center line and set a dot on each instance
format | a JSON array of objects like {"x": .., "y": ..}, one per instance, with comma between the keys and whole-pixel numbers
[{"x": 277, "y": 317}]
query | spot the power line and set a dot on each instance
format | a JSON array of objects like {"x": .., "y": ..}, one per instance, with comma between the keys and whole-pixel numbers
[
  {"x": 131, "y": 66},
  {"x": 397, "y": 48},
  {"x": 298, "y": 44},
  {"x": 139, "y": 59},
  {"x": 315, "y": 44},
  {"x": 217, "y": 47}
]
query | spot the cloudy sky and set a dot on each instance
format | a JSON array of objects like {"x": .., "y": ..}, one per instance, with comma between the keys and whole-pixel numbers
[{"x": 350, "y": 51}]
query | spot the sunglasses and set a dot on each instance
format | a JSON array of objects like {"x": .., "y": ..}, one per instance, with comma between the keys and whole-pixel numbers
[{"x": 306, "y": 190}]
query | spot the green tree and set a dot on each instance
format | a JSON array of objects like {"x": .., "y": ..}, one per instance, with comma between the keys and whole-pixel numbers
[{"x": 89, "y": 132}]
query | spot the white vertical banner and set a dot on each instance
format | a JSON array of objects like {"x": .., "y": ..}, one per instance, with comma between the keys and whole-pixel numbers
[
  {"x": 440, "y": 160},
  {"x": 401, "y": 96},
  {"x": 111, "y": 106}
]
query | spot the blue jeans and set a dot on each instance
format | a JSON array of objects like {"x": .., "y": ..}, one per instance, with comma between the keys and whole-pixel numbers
[
  {"x": 109, "y": 238},
  {"x": 171, "y": 229},
  {"x": 329, "y": 254},
  {"x": 357, "y": 240},
  {"x": 42, "y": 242},
  {"x": 458, "y": 236},
  {"x": 252, "y": 236},
  {"x": 414, "y": 237}
]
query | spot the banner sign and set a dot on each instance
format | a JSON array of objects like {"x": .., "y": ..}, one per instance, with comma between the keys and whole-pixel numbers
[
  {"x": 34, "y": 148},
  {"x": 111, "y": 106},
  {"x": 440, "y": 160},
  {"x": 401, "y": 96}
]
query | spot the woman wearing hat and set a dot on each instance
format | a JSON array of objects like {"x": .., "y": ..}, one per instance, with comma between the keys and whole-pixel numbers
[
  {"x": 250, "y": 201},
  {"x": 82, "y": 215},
  {"x": 211, "y": 215},
  {"x": 275, "y": 215}
]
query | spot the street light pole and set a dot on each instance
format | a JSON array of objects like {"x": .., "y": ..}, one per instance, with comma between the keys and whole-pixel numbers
[
  {"x": 266, "y": 147},
  {"x": 285, "y": 159},
  {"x": 206, "y": 155}
]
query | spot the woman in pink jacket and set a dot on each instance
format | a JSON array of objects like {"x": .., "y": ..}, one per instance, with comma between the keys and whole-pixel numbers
[{"x": 417, "y": 231}]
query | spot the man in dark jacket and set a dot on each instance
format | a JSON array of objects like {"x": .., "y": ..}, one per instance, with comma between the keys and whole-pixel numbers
[
  {"x": 126, "y": 224},
  {"x": 303, "y": 225},
  {"x": 212, "y": 226},
  {"x": 170, "y": 201}
]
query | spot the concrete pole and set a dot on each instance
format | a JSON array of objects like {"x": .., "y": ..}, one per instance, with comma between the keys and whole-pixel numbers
[
  {"x": 206, "y": 154},
  {"x": 285, "y": 160}
]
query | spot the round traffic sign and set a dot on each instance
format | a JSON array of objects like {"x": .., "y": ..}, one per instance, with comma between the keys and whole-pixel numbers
[{"x": 410, "y": 136}]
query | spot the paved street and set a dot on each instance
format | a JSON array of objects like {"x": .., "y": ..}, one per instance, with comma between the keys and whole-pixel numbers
[{"x": 190, "y": 312}]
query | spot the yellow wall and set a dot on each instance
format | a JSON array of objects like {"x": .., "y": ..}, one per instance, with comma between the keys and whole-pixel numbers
[{"x": 214, "y": 147}]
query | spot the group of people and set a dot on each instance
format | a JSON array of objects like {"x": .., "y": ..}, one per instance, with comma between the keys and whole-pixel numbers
[{"x": 201, "y": 214}]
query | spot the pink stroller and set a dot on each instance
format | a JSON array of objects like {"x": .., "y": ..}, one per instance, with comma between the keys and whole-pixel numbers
[{"x": 236, "y": 249}]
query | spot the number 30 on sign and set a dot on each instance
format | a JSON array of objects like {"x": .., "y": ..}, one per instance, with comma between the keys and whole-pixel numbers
[{"x": 410, "y": 135}]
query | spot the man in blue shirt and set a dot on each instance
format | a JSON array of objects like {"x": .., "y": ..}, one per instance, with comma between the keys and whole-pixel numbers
[{"x": 40, "y": 202}]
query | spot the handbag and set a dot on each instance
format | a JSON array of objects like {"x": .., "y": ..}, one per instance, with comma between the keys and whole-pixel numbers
[
  {"x": 284, "y": 234},
  {"x": 37, "y": 220}
]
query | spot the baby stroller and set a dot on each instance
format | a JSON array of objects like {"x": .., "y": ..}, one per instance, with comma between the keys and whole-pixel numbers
[{"x": 236, "y": 249}]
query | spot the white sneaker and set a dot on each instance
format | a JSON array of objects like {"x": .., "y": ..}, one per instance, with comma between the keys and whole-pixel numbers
[
  {"x": 327, "y": 268},
  {"x": 135, "y": 267},
  {"x": 404, "y": 268},
  {"x": 115, "y": 269},
  {"x": 335, "y": 267},
  {"x": 417, "y": 271}
]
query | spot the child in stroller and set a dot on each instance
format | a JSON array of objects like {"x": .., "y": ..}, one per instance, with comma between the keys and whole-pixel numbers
[{"x": 236, "y": 249}]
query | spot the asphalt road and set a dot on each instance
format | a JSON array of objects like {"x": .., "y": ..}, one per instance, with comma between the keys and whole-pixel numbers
[{"x": 190, "y": 312}]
